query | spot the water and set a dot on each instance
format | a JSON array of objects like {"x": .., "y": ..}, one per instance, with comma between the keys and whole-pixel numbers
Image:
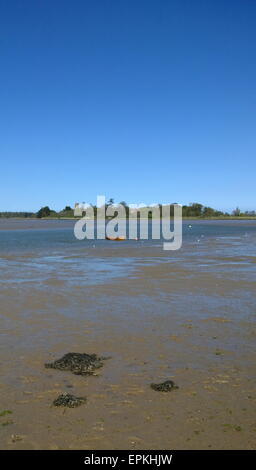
[
  {"x": 48, "y": 271},
  {"x": 36, "y": 255}
]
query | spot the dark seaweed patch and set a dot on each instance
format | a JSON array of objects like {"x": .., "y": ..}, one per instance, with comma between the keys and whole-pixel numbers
[
  {"x": 69, "y": 400},
  {"x": 79, "y": 364},
  {"x": 166, "y": 386}
]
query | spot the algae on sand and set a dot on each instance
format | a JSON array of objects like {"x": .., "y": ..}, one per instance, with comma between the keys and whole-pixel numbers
[
  {"x": 69, "y": 400},
  {"x": 166, "y": 386},
  {"x": 77, "y": 363}
]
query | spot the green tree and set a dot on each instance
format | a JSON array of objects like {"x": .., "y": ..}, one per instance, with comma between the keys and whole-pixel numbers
[
  {"x": 43, "y": 212},
  {"x": 208, "y": 212},
  {"x": 196, "y": 209}
]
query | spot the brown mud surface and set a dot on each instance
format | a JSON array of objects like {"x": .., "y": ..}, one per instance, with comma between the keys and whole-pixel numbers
[{"x": 189, "y": 318}]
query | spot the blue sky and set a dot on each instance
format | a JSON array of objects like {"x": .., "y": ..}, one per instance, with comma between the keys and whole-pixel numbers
[{"x": 143, "y": 101}]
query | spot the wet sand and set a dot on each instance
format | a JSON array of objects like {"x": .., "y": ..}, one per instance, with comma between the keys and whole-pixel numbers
[
  {"x": 189, "y": 318},
  {"x": 33, "y": 224}
]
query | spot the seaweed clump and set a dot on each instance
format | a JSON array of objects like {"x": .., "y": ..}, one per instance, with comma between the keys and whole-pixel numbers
[
  {"x": 69, "y": 400},
  {"x": 77, "y": 363},
  {"x": 166, "y": 386}
]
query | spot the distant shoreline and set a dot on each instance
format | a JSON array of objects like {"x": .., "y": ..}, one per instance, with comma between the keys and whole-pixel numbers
[
  {"x": 51, "y": 223},
  {"x": 231, "y": 217}
]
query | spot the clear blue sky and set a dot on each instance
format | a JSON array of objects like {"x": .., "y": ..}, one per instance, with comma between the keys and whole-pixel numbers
[{"x": 141, "y": 100}]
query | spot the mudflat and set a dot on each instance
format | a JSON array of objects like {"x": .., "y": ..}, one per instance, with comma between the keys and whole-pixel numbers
[{"x": 185, "y": 316}]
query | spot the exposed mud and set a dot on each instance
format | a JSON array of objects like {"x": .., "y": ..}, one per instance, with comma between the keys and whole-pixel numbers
[{"x": 186, "y": 316}]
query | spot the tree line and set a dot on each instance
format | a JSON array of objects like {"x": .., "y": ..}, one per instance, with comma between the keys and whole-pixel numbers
[{"x": 192, "y": 210}]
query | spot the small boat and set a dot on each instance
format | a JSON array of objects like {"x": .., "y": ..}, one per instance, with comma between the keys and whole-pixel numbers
[{"x": 117, "y": 239}]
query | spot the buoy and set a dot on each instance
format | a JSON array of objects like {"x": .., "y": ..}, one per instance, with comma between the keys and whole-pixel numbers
[{"x": 117, "y": 239}]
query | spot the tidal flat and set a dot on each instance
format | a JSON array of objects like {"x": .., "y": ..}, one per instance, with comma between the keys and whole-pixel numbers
[{"x": 186, "y": 316}]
